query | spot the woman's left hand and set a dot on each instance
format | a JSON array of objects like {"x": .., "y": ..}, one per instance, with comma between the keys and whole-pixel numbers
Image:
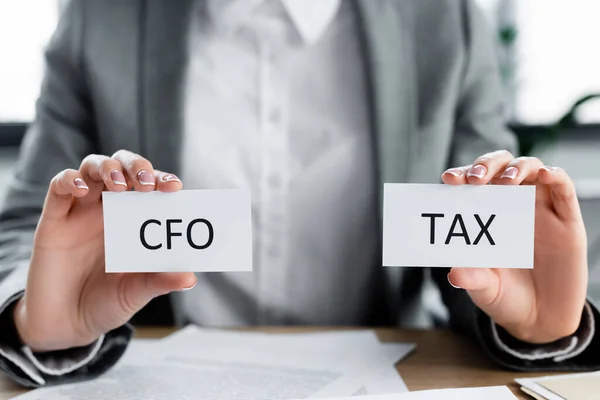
[{"x": 545, "y": 303}]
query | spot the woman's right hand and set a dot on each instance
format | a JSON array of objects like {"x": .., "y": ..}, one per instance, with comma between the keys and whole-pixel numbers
[{"x": 69, "y": 300}]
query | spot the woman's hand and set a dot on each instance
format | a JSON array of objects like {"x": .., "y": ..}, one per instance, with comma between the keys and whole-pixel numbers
[
  {"x": 546, "y": 303},
  {"x": 69, "y": 300}
]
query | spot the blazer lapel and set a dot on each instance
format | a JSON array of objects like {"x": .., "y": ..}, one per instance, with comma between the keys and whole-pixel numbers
[
  {"x": 163, "y": 57},
  {"x": 387, "y": 30},
  {"x": 391, "y": 72}
]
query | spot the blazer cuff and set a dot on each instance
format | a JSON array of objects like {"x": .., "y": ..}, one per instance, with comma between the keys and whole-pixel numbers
[
  {"x": 50, "y": 364},
  {"x": 12, "y": 362},
  {"x": 31, "y": 369},
  {"x": 576, "y": 353},
  {"x": 558, "y": 351}
]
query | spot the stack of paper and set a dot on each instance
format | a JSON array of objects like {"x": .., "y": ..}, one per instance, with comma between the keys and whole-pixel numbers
[
  {"x": 584, "y": 386},
  {"x": 217, "y": 365},
  {"x": 214, "y": 364}
]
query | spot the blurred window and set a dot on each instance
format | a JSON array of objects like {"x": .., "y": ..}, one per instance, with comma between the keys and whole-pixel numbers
[
  {"x": 554, "y": 59},
  {"x": 25, "y": 27},
  {"x": 551, "y": 62}
]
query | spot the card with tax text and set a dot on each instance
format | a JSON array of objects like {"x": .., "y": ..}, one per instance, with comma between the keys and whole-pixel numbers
[
  {"x": 189, "y": 230},
  {"x": 436, "y": 225}
]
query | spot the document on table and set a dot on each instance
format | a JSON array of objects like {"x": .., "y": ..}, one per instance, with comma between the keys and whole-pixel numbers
[
  {"x": 214, "y": 364},
  {"x": 584, "y": 386},
  {"x": 487, "y": 393},
  {"x": 348, "y": 349},
  {"x": 362, "y": 341}
]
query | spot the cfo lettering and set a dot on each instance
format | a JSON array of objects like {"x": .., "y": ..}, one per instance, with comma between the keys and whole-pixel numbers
[{"x": 170, "y": 233}]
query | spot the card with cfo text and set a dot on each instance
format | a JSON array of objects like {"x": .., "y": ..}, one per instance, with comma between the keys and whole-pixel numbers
[{"x": 185, "y": 231}]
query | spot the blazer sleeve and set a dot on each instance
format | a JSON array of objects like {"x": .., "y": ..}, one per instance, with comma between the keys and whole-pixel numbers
[
  {"x": 481, "y": 128},
  {"x": 60, "y": 137}
]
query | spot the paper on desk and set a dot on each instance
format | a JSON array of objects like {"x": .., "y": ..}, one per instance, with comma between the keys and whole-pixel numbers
[
  {"x": 178, "y": 380},
  {"x": 216, "y": 375},
  {"x": 363, "y": 341},
  {"x": 186, "y": 388},
  {"x": 487, "y": 393},
  {"x": 575, "y": 388},
  {"x": 236, "y": 365},
  {"x": 361, "y": 350},
  {"x": 552, "y": 387},
  {"x": 397, "y": 351},
  {"x": 357, "y": 347}
]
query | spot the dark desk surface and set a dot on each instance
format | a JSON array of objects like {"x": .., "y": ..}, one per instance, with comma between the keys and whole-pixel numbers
[{"x": 442, "y": 360}]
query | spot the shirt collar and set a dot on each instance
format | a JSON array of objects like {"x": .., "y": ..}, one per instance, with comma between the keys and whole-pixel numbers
[{"x": 311, "y": 18}]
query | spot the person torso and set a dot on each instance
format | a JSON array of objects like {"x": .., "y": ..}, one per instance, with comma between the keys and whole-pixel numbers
[{"x": 276, "y": 101}]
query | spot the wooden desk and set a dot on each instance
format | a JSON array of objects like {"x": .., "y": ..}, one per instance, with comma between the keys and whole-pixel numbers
[{"x": 442, "y": 360}]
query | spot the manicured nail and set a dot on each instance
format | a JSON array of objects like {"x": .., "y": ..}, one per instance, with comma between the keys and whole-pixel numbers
[
  {"x": 189, "y": 288},
  {"x": 452, "y": 284},
  {"x": 170, "y": 178},
  {"x": 549, "y": 169},
  {"x": 454, "y": 171},
  {"x": 80, "y": 184},
  {"x": 117, "y": 177},
  {"x": 145, "y": 178},
  {"x": 510, "y": 173},
  {"x": 477, "y": 171}
]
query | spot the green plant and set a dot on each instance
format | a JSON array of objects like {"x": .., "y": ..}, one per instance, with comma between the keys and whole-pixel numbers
[
  {"x": 507, "y": 37},
  {"x": 547, "y": 135}
]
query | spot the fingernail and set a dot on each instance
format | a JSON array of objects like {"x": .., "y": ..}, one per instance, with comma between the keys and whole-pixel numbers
[
  {"x": 170, "y": 178},
  {"x": 549, "y": 169},
  {"x": 189, "y": 288},
  {"x": 452, "y": 284},
  {"x": 510, "y": 173},
  {"x": 145, "y": 178},
  {"x": 454, "y": 171},
  {"x": 80, "y": 184},
  {"x": 117, "y": 177},
  {"x": 477, "y": 171}
]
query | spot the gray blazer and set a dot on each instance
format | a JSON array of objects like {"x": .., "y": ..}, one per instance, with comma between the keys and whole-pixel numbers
[{"x": 114, "y": 77}]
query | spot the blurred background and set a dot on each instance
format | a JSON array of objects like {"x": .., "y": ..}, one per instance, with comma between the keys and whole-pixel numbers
[{"x": 547, "y": 53}]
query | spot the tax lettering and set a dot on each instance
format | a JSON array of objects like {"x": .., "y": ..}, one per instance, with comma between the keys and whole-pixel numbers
[
  {"x": 458, "y": 229},
  {"x": 170, "y": 233}
]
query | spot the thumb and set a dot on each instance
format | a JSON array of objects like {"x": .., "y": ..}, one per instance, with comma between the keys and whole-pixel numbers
[
  {"x": 482, "y": 285},
  {"x": 139, "y": 289}
]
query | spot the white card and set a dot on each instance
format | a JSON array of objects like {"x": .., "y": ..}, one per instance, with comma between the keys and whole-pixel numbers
[
  {"x": 189, "y": 230},
  {"x": 482, "y": 226}
]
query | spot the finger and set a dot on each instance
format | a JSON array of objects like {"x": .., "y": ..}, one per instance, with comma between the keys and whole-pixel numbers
[
  {"x": 63, "y": 188},
  {"x": 524, "y": 170},
  {"x": 102, "y": 172},
  {"x": 482, "y": 285},
  {"x": 456, "y": 176},
  {"x": 138, "y": 170},
  {"x": 166, "y": 182},
  {"x": 487, "y": 166},
  {"x": 139, "y": 289},
  {"x": 563, "y": 193},
  {"x": 520, "y": 170},
  {"x": 106, "y": 170}
]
